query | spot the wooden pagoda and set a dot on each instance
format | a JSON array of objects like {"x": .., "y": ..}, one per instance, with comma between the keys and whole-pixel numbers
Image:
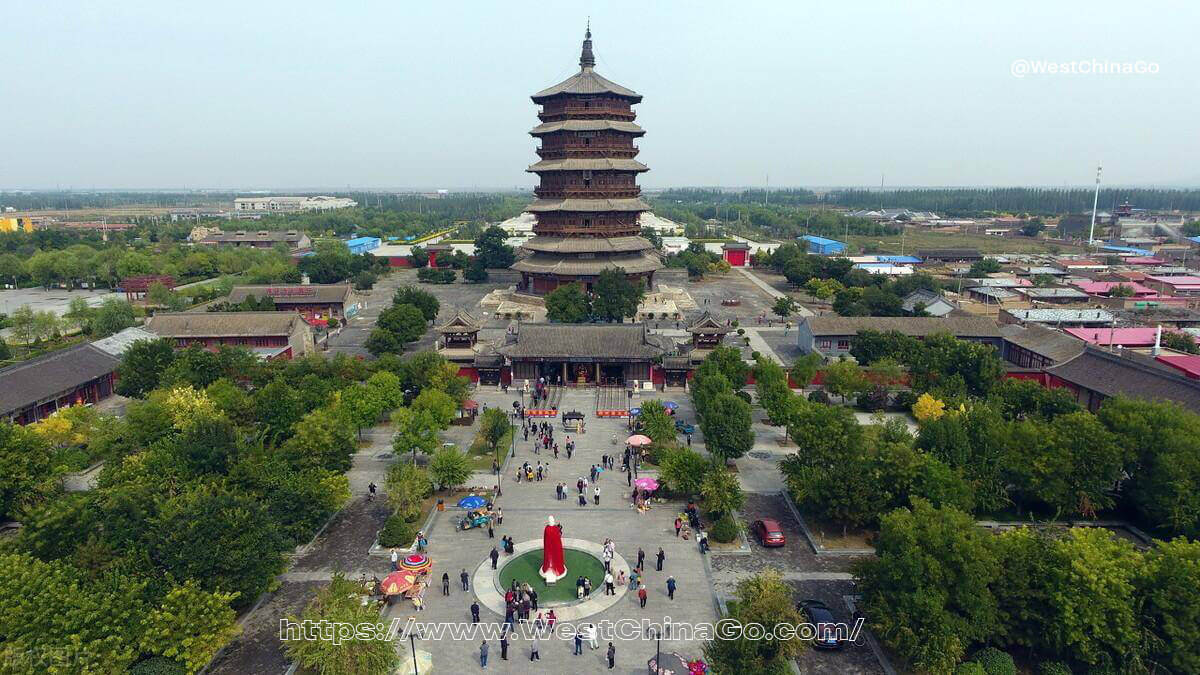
[{"x": 587, "y": 200}]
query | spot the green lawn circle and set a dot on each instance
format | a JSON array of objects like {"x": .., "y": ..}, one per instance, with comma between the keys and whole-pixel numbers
[{"x": 525, "y": 566}]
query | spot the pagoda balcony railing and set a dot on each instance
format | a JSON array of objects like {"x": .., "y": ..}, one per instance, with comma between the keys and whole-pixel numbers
[
  {"x": 587, "y": 192},
  {"x": 589, "y": 151},
  {"x": 588, "y": 231},
  {"x": 581, "y": 113}
]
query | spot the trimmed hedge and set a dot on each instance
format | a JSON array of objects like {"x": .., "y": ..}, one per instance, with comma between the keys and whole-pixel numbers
[
  {"x": 397, "y": 533},
  {"x": 724, "y": 530}
]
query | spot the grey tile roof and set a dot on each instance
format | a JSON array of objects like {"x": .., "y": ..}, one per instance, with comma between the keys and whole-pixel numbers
[
  {"x": 222, "y": 324},
  {"x": 586, "y": 81},
  {"x": 284, "y": 237},
  {"x": 117, "y": 343},
  {"x": 284, "y": 294},
  {"x": 548, "y": 244},
  {"x": 1128, "y": 374},
  {"x": 598, "y": 341},
  {"x": 54, "y": 374},
  {"x": 707, "y": 324},
  {"x": 960, "y": 326},
  {"x": 589, "y": 205},
  {"x": 461, "y": 322},
  {"x": 1035, "y": 292},
  {"x": 587, "y": 125},
  {"x": 1052, "y": 344},
  {"x": 1091, "y": 316},
  {"x": 592, "y": 164},
  {"x": 550, "y": 263}
]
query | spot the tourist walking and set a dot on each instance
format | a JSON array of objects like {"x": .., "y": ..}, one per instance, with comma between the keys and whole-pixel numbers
[
  {"x": 504, "y": 647},
  {"x": 612, "y": 656},
  {"x": 661, "y": 557},
  {"x": 596, "y": 495},
  {"x": 499, "y": 516},
  {"x": 483, "y": 650},
  {"x": 494, "y": 555},
  {"x": 395, "y": 560},
  {"x": 608, "y": 584},
  {"x": 474, "y": 611},
  {"x": 671, "y": 587},
  {"x": 464, "y": 578},
  {"x": 491, "y": 532},
  {"x": 642, "y": 595},
  {"x": 533, "y": 649},
  {"x": 445, "y": 583},
  {"x": 641, "y": 558},
  {"x": 678, "y": 525},
  {"x": 578, "y": 643}
]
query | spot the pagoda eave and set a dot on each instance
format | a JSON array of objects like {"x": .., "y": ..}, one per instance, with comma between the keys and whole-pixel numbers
[{"x": 588, "y": 205}]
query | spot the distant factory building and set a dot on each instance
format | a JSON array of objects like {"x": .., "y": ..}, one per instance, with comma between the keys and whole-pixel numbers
[{"x": 823, "y": 246}]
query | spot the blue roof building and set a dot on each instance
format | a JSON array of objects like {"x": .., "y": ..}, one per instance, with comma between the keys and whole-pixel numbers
[
  {"x": 360, "y": 245},
  {"x": 899, "y": 259},
  {"x": 823, "y": 246},
  {"x": 1129, "y": 250}
]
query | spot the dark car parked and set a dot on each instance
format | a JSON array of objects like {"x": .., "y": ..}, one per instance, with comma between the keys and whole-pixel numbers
[
  {"x": 769, "y": 532},
  {"x": 819, "y": 614}
]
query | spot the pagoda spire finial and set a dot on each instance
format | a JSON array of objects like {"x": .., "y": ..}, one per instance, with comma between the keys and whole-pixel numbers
[{"x": 587, "y": 59}]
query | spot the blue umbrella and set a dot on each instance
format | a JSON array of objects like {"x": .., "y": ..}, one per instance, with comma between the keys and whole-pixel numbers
[
  {"x": 472, "y": 502},
  {"x": 635, "y": 411},
  {"x": 670, "y": 405}
]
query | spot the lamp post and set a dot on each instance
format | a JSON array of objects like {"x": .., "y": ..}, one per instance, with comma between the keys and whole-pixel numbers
[
  {"x": 412, "y": 642},
  {"x": 657, "y": 652}
]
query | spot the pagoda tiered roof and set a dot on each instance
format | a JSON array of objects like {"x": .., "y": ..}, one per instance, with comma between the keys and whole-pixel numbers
[
  {"x": 587, "y": 81},
  {"x": 590, "y": 205},
  {"x": 587, "y": 125},
  {"x": 561, "y": 265},
  {"x": 551, "y": 244},
  {"x": 707, "y": 324},
  {"x": 587, "y": 164}
]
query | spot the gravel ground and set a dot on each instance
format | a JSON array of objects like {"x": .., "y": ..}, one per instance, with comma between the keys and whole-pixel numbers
[
  {"x": 257, "y": 650},
  {"x": 342, "y": 547}
]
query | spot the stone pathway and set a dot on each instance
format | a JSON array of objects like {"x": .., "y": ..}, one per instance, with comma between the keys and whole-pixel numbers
[{"x": 771, "y": 291}]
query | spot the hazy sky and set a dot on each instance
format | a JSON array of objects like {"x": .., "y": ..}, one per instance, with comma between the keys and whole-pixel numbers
[{"x": 436, "y": 94}]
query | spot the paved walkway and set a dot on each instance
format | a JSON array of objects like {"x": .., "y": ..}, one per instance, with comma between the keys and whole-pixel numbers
[
  {"x": 525, "y": 507},
  {"x": 771, "y": 291}
]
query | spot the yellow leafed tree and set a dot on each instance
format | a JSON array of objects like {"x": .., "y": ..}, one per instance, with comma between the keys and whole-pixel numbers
[{"x": 928, "y": 408}]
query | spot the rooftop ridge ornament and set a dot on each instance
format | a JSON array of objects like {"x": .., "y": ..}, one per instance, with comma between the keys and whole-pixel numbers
[{"x": 587, "y": 59}]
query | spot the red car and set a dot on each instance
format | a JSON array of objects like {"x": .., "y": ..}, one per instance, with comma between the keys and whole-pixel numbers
[{"x": 768, "y": 532}]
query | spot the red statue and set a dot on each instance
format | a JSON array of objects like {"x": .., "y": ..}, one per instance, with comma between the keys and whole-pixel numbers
[{"x": 554, "y": 566}]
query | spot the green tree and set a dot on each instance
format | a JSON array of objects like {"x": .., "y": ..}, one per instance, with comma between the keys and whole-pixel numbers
[
  {"x": 805, "y": 369},
  {"x": 771, "y": 381},
  {"x": 416, "y": 431},
  {"x": 763, "y": 600},
  {"x": 927, "y": 593},
  {"x": 784, "y": 306},
  {"x": 1070, "y": 463},
  {"x": 190, "y": 626},
  {"x": 421, "y": 299},
  {"x": 615, "y": 296},
  {"x": 491, "y": 249},
  {"x": 726, "y": 426},
  {"x": 728, "y": 360},
  {"x": 111, "y": 317},
  {"x": 25, "y": 469},
  {"x": 365, "y": 653},
  {"x": 407, "y": 486},
  {"x": 242, "y": 549},
  {"x": 1169, "y": 585},
  {"x": 476, "y": 273},
  {"x": 721, "y": 491},
  {"x": 493, "y": 425},
  {"x": 1180, "y": 342},
  {"x": 845, "y": 378},
  {"x": 982, "y": 268},
  {"x": 142, "y": 367},
  {"x": 683, "y": 471},
  {"x": 277, "y": 407},
  {"x": 449, "y": 467},
  {"x": 418, "y": 257},
  {"x": 322, "y": 439},
  {"x": 363, "y": 405},
  {"x": 657, "y": 424},
  {"x": 1093, "y": 600},
  {"x": 440, "y": 406},
  {"x": 568, "y": 304}
]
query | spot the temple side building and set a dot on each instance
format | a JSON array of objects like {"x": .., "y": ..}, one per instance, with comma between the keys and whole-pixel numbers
[{"x": 587, "y": 199}]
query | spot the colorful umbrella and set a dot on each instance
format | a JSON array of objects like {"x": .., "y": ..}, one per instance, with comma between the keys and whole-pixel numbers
[
  {"x": 648, "y": 484},
  {"x": 637, "y": 440},
  {"x": 670, "y": 405},
  {"x": 416, "y": 563},
  {"x": 398, "y": 582},
  {"x": 471, "y": 502},
  {"x": 635, "y": 411}
]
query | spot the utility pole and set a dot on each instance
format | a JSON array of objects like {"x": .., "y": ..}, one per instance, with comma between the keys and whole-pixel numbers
[{"x": 1095, "y": 202}]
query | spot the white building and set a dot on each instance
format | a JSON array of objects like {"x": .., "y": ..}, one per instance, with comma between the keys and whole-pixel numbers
[{"x": 259, "y": 205}]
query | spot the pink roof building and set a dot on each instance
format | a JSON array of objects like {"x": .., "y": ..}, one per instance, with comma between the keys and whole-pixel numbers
[
  {"x": 1106, "y": 288},
  {"x": 1141, "y": 336},
  {"x": 1183, "y": 285},
  {"x": 1189, "y": 364},
  {"x": 1143, "y": 260}
]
